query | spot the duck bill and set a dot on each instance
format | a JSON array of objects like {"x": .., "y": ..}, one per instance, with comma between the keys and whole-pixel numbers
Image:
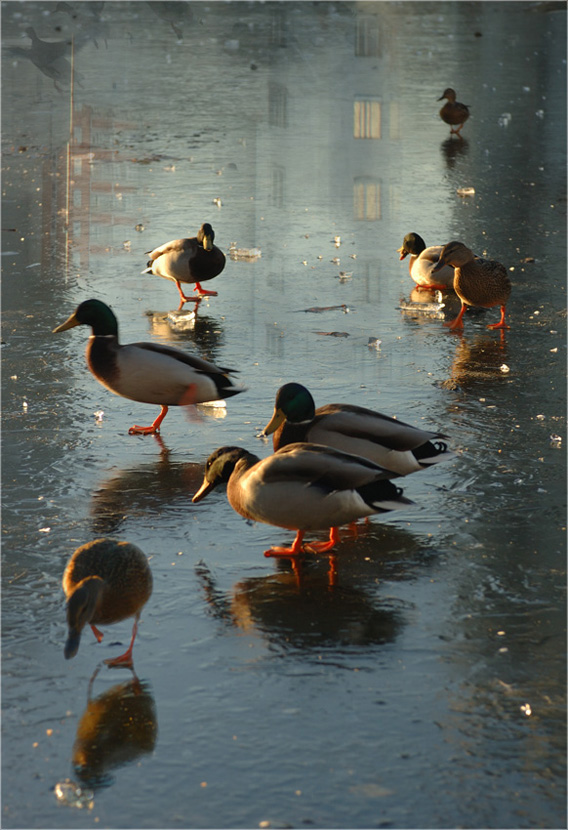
[
  {"x": 402, "y": 253},
  {"x": 438, "y": 266},
  {"x": 68, "y": 324},
  {"x": 277, "y": 419},
  {"x": 72, "y": 644},
  {"x": 205, "y": 488},
  {"x": 207, "y": 243}
]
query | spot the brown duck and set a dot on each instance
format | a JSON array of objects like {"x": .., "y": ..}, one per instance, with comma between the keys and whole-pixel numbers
[
  {"x": 477, "y": 282},
  {"x": 453, "y": 112},
  {"x": 105, "y": 581},
  {"x": 188, "y": 260}
]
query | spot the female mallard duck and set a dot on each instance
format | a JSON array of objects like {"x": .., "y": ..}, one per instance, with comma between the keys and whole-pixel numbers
[
  {"x": 301, "y": 487},
  {"x": 477, "y": 282},
  {"x": 105, "y": 581},
  {"x": 453, "y": 112},
  {"x": 422, "y": 261},
  {"x": 146, "y": 372},
  {"x": 396, "y": 446},
  {"x": 188, "y": 260}
]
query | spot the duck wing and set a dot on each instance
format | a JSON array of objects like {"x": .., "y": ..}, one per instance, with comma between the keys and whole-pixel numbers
[
  {"x": 356, "y": 422},
  {"x": 175, "y": 246},
  {"x": 152, "y": 373}
]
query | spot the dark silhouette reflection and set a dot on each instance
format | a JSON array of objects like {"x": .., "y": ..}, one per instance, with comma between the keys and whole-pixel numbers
[
  {"x": 189, "y": 325},
  {"x": 177, "y": 15},
  {"x": 115, "y": 729},
  {"x": 86, "y": 21},
  {"x": 478, "y": 360},
  {"x": 148, "y": 488},
  {"x": 454, "y": 147},
  {"x": 50, "y": 57},
  {"x": 299, "y": 607}
]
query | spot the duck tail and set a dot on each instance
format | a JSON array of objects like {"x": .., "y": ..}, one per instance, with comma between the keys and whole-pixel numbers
[
  {"x": 383, "y": 496},
  {"x": 432, "y": 452}
]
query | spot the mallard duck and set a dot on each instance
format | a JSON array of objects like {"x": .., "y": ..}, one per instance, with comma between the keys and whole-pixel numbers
[
  {"x": 422, "y": 262},
  {"x": 396, "y": 446},
  {"x": 147, "y": 372},
  {"x": 477, "y": 282},
  {"x": 301, "y": 487},
  {"x": 188, "y": 260},
  {"x": 105, "y": 581},
  {"x": 453, "y": 112}
]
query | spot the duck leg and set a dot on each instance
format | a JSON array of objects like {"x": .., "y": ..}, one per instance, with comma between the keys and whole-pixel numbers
[
  {"x": 201, "y": 292},
  {"x": 154, "y": 428},
  {"x": 457, "y": 323},
  {"x": 295, "y": 550},
  {"x": 204, "y": 291},
  {"x": 98, "y": 634},
  {"x": 126, "y": 658},
  {"x": 501, "y": 324},
  {"x": 322, "y": 547}
]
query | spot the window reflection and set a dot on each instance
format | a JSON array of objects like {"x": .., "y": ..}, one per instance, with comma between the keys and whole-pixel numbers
[
  {"x": 367, "y": 118},
  {"x": 367, "y": 199},
  {"x": 277, "y": 105},
  {"x": 278, "y": 178},
  {"x": 367, "y": 37}
]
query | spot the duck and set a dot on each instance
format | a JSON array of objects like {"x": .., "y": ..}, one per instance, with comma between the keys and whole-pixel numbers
[
  {"x": 453, "y": 112},
  {"x": 188, "y": 260},
  {"x": 105, "y": 581},
  {"x": 147, "y": 372},
  {"x": 301, "y": 487},
  {"x": 477, "y": 282},
  {"x": 422, "y": 261},
  {"x": 398, "y": 447}
]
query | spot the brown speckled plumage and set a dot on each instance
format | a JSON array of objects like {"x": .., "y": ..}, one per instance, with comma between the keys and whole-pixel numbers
[
  {"x": 105, "y": 581},
  {"x": 477, "y": 282},
  {"x": 453, "y": 112}
]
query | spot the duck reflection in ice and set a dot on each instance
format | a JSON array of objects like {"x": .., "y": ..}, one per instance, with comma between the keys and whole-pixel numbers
[
  {"x": 307, "y": 611},
  {"x": 452, "y": 150},
  {"x": 85, "y": 18},
  {"x": 138, "y": 492},
  {"x": 50, "y": 57},
  {"x": 116, "y": 728},
  {"x": 306, "y": 615},
  {"x": 425, "y": 306},
  {"x": 189, "y": 326},
  {"x": 478, "y": 360},
  {"x": 176, "y": 14}
]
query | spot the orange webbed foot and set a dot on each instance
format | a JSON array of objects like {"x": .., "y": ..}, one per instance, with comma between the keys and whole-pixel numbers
[
  {"x": 154, "y": 429},
  {"x": 203, "y": 292},
  {"x": 124, "y": 661}
]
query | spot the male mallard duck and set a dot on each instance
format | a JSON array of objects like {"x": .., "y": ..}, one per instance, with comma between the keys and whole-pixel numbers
[
  {"x": 146, "y": 372},
  {"x": 396, "y": 446},
  {"x": 477, "y": 282},
  {"x": 301, "y": 487},
  {"x": 105, "y": 581},
  {"x": 453, "y": 112},
  {"x": 422, "y": 262},
  {"x": 188, "y": 260}
]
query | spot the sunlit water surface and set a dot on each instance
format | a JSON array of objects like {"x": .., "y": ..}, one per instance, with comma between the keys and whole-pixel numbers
[{"x": 426, "y": 687}]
